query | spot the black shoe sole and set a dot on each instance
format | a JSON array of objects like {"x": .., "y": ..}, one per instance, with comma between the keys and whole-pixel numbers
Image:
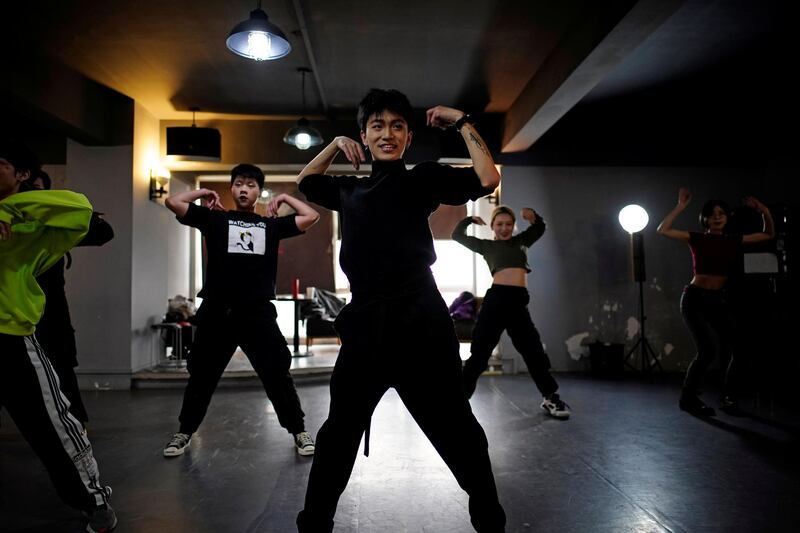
[{"x": 699, "y": 411}]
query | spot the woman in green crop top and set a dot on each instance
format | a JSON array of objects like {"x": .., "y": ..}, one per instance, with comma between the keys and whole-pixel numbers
[{"x": 505, "y": 306}]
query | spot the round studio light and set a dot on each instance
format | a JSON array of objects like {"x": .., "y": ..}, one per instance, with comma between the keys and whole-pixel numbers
[
  {"x": 258, "y": 39},
  {"x": 633, "y": 218}
]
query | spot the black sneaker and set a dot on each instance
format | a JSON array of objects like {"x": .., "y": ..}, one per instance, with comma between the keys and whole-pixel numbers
[
  {"x": 694, "y": 405},
  {"x": 555, "y": 406},
  {"x": 729, "y": 404},
  {"x": 102, "y": 520}
]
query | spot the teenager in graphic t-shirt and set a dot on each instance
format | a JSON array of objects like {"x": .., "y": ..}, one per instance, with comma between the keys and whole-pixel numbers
[
  {"x": 396, "y": 331},
  {"x": 716, "y": 255},
  {"x": 242, "y": 251}
]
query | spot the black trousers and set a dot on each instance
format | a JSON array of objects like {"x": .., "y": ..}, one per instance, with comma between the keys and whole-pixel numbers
[
  {"x": 252, "y": 326},
  {"x": 405, "y": 341},
  {"x": 57, "y": 338},
  {"x": 711, "y": 323},
  {"x": 506, "y": 308},
  {"x": 29, "y": 390}
]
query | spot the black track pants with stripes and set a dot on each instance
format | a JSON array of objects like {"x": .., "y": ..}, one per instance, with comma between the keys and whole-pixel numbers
[{"x": 29, "y": 392}]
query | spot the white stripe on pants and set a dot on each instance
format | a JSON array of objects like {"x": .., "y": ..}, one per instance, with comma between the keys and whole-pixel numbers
[{"x": 67, "y": 427}]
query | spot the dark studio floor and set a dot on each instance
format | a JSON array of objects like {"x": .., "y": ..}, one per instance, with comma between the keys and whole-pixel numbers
[{"x": 628, "y": 461}]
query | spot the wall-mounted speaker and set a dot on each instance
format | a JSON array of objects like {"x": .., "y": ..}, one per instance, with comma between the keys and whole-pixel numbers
[{"x": 193, "y": 144}]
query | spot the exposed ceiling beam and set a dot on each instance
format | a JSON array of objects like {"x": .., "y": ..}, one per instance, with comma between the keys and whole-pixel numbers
[
  {"x": 588, "y": 52},
  {"x": 312, "y": 61}
]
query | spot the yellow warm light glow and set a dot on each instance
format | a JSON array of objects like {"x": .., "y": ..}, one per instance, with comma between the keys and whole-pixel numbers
[{"x": 160, "y": 173}]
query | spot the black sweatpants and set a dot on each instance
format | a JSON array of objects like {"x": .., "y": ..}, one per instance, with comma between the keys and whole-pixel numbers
[
  {"x": 252, "y": 326},
  {"x": 57, "y": 338},
  {"x": 407, "y": 342},
  {"x": 29, "y": 390},
  {"x": 506, "y": 308},
  {"x": 710, "y": 321}
]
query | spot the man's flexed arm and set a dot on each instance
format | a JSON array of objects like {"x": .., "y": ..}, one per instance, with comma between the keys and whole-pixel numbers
[
  {"x": 179, "y": 203},
  {"x": 482, "y": 162},
  {"x": 306, "y": 215},
  {"x": 320, "y": 164}
]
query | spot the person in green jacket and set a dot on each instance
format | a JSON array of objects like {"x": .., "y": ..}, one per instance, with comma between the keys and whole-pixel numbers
[{"x": 36, "y": 229}]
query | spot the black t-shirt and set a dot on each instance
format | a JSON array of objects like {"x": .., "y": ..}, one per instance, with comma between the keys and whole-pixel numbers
[
  {"x": 242, "y": 251},
  {"x": 386, "y": 239}
]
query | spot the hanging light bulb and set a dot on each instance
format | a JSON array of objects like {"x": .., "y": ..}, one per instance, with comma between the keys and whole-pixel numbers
[
  {"x": 302, "y": 140},
  {"x": 257, "y": 38},
  {"x": 258, "y": 45},
  {"x": 302, "y": 136}
]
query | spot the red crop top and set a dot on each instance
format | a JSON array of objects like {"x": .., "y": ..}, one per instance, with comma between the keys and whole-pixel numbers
[{"x": 716, "y": 255}]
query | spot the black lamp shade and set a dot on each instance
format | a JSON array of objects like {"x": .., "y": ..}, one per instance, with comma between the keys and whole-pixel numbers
[
  {"x": 303, "y": 135},
  {"x": 240, "y": 41}
]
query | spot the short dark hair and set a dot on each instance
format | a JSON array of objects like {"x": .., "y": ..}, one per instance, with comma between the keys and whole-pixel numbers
[
  {"x": 378, "y": 100},
  {"x": 245, "y": 170},
  {"x": 40, "y": 174},
  {"x": 708, "y": 210},
  {"x": 20, "y": 157}
]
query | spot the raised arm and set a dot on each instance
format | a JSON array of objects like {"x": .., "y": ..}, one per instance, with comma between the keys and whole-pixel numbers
[
  {"x": 65, "y": 210},
  {"x": 769, "y": 224},
  {"x": 532, "y": 233},
  {"x": 444, "y": 117},
  {"x": 320, "y": 164},
  {"x": 179, "y": 203},
  {"x": 460, "y": 234},
  {"x": 306, "y": 216},
  {"x": 665, "y": 228},
  {"x": 100, "y": 231}
]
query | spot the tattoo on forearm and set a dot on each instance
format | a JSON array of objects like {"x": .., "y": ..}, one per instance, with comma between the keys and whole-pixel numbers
[{"x": 478, "y": 143}]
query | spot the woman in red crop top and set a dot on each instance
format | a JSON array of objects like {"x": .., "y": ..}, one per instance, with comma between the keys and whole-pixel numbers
[{"x": 715, "y": 256}]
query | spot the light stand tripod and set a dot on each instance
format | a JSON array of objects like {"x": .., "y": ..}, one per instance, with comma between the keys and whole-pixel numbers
[{"x": 648, "y": 359}]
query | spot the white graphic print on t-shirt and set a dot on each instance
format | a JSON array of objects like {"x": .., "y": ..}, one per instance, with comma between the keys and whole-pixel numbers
[{"x": 246, "y": 237}]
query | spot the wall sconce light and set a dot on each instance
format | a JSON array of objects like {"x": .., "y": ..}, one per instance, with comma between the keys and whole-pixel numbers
[{"x": 159, "y": 182}]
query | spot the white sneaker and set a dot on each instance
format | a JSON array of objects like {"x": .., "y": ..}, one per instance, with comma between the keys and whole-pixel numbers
[
  {"x": 304, "y": 443},
  {"x": 177, "y": 445},
  {"x": 555, "y": 406}
]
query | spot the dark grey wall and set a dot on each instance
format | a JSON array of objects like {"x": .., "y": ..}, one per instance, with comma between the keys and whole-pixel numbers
[{"x": 582, "y": 263}]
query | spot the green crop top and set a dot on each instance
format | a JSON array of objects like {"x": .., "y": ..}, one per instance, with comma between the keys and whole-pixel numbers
[{"x": 499, "y": 255}]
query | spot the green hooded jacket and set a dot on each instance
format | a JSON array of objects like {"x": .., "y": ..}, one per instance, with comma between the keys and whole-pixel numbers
[{"x": 44, "y": 225}]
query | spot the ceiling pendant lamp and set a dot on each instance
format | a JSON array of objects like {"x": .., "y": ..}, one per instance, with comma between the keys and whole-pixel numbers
[
  {"x": 257, "y": 38},
  {"x": 302, "y": 135}
]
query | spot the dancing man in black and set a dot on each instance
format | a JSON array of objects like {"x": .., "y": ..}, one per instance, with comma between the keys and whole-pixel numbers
[
  {"x": 387, "y": 253},
  {"x": 54, "y": 331}
]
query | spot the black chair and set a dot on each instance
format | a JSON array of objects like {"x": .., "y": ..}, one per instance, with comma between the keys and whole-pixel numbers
[{"x": 319, "y": 313}]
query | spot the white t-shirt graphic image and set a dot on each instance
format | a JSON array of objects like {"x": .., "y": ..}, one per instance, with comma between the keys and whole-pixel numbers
[{"x": 246, "y": 238}]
